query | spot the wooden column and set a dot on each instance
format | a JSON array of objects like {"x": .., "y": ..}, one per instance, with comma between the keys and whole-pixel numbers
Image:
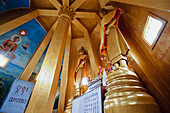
[
  {"x": 65, "y": 3},
  {"x": 29, "y": 68},
  {"x": 64, "y": 76},
  {"x": 44, "y": 91},
  {"x": 76, "y": 4},
  {"x": 94, "y": 64}
]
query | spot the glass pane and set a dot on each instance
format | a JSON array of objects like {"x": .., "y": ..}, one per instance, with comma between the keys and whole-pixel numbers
[{"x": 152, "y": 30}]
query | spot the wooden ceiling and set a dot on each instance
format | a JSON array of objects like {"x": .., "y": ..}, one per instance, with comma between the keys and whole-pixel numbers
[{"x": 87, "y": 6}]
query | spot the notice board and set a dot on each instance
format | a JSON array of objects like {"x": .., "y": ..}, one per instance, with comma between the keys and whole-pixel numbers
[
  {"x": 18, "y": 96},
  {"x": 90, "y": 102}
]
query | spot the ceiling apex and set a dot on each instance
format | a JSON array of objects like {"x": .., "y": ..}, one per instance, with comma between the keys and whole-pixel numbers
[{"x": 67, "y": 12}]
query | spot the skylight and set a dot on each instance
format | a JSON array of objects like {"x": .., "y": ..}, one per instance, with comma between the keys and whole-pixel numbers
[{"x": 153, "y": 28}]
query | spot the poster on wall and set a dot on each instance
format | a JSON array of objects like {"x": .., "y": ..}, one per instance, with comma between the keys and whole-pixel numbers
[
  {"x": 16, "y": 48},
  {"x": 91, "y": 102},
  {"x": 17, "y": 97}
]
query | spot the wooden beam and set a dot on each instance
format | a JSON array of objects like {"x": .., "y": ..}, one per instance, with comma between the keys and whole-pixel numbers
[
  {"x": 98, "y": 18},
  {"x": 96, "y": 29},
  {"x": 76, "y": 4},
  {"x": 47, "y": 12},
  {"x": 156, "y": 4},
  {"x": 43, "y": 95},
  {"x": 93, "y": 60},
  {"x": 13, "y": 14},
  {"x": 66, "y": 3},
  {"x": 42, "y": 23},
  {"x": 25, "y": 18},
  {"x": 76, "y": 37},
  {"x": 18, "y": 21},
  {"x": 89, "y": 46},
  {"x": 101, "y": 2},
  {"x": 85, "y": 14},
  {"x": 95, "y": 43},
  {"x": 79, "y": 25},
  {"x": 56, "y": 4},
  {"x": 29, "y": 68},
  {"x": 64, "y": 76}
]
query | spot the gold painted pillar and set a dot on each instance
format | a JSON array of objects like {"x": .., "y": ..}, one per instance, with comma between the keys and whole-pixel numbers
[
  {"x": 64, "y": 76},
  {"x": 43, "y": 95}
]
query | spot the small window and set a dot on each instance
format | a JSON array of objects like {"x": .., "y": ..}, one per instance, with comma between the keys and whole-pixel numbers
[
  {"x": 4, "y": 61},
  {"x": 153, "y": 29}
]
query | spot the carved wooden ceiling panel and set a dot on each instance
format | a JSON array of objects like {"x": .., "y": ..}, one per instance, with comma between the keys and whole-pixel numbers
[{"x": 47, "y": 22}]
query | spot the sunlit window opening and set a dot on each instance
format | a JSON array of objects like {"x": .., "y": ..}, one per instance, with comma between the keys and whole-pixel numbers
[
  {"x": 153, "y": 28},
  {"x": 4, "y": 61},
  {"x": 85, "y": 81}
]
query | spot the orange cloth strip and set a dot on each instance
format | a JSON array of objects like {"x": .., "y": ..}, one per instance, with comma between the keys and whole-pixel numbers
[{"x": 114, "y": 16}]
